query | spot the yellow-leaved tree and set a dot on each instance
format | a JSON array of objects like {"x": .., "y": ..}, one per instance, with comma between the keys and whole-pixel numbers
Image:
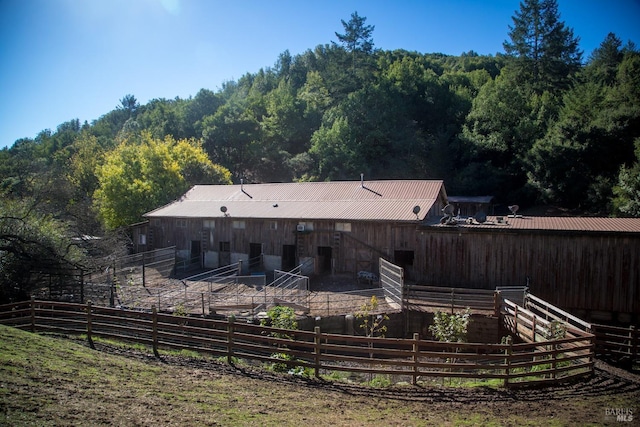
[{"x": 144, "y": 173}]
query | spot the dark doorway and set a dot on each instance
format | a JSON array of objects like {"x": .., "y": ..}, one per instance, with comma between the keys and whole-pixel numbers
[
  {"x": 225, "y": 253},
  {"x": 403, "y": 259},
  {"x": 255, "y": 258},
  {"x": 196, "y": 252},
  {"x": 324, "y": 258},
  {"x": 288, "y": 257}
]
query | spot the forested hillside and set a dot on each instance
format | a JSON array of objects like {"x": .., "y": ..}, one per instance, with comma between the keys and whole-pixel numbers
[{"x": 542, "y": 123}]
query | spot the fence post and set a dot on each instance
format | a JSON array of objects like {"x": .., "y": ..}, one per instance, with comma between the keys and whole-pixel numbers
[
  {"x": 416, "y": 348},
  {"x": 633, "y": 333},
  {"x": 515, "y": 320},
  {"x": 507, "y": 359},
  {"x": 230, "y": 341},
  {"x": 453, "y": 296},
  {"x": 316, "y": 351},
  {"x": 89, "y": 326},
  {"x": 203, "y": 312},
  {"x": 554, "y": 348},
  {"x": 533, "y": 327},
  {"x": 328, "y": 305},
  {"x": 33, "y": 313},
  {"x": 112, "y": 301},
  {"x": 496, "y": 303},
  {"x": 81, "y": 286},
  {"x": 144, "y": 270},
  {"x": 154, "y": 331}
]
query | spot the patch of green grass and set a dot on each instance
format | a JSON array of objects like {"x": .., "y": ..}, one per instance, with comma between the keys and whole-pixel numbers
[{"x": 46, "y": 381}]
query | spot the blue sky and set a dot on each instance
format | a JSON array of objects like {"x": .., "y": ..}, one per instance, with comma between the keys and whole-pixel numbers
[{"x": 67, "y": 59}]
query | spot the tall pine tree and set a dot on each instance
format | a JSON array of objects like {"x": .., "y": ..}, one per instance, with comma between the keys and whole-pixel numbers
[{"x": 545, "y": 51}]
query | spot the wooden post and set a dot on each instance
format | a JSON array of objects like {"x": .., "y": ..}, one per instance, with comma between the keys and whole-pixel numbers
[
  {"x": 452, "y": 300},
  {"x": 515, "y": 320},
  {"x": 81, "y": 286},
  {"x": 496, "y": 303},
  {"x": 554, "y": 347},
  {"x": 112, "y": 301},
  {"x": 230, "y": 341},
  {"x": 415, "y": 356},
  {"x": 89, "y": 326},
  {"x": 154, "y": 331},
  {"x": 509, "y": 352},
  {"x": 203, "y": 312},
  {"x": 533, "y": 327},
  {"x": 328, "y": 305},
  {"x": 633, "y": 334},
  {"x": 144, "y": 270},
  {"x": 316, "y": 351},
  {"x": 33, "y": 313}
]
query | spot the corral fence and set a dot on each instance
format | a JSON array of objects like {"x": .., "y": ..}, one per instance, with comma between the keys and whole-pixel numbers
[
  {"x": 409, "y": 359},
  {"x": 426, "y": 298},
  {"x": 614, "y": 343}
]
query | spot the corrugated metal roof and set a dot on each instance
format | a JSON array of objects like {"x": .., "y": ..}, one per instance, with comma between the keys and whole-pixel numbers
[
  {"x": 348, "y": 200},
  {"x": 596, "y": 224}
]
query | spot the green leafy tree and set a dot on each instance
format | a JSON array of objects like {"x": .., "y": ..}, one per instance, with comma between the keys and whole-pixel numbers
[
  {"x": 627, "y": 190},
  {"x": 138, "y": 177},
  {"x": 34, "y": 244},
  {"x": 372, "y": 321},
  {"x": 229, "y": 136},
  {"x": 282, "y": 317},
  {"x": 451, "y": 327}
]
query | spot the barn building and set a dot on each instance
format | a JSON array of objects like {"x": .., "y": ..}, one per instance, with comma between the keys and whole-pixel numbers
[
  {"x": 590, "y": 266},
  {"x": 328, "y": 226}
]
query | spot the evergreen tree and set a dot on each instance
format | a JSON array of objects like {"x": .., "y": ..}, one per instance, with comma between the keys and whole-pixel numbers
[
  {"x": 357, "y": 38},
  {"x": 545, "y": 51}
]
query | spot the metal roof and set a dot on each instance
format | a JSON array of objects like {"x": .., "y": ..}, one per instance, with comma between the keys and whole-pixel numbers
[
  {"x": 521, "y": 222},
  {"x": 336, "y": 200}
]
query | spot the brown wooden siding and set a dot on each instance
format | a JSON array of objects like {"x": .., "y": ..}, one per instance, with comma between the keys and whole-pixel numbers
[
  {"x": 573, "y": 270},
  {"x": 577, "y": 271}
]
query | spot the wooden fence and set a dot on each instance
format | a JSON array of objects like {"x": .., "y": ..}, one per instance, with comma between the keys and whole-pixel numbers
[
  {"x": 427, "y": 297},
  {"x": 618, "y": 344},
  {"x": 404, "y": 359}
]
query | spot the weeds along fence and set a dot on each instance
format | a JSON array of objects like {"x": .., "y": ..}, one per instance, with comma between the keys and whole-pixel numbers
[{"x": 411, "y": 360}]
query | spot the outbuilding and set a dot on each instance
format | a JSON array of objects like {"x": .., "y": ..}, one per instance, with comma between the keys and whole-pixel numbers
[{"x": 338, "y": 227}]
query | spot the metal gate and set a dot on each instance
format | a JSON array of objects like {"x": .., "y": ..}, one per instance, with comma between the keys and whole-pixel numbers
[{"x": 392, "y": 282}]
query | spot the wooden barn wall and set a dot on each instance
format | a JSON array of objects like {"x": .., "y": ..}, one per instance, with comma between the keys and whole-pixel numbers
[
  {"x": 351, "y": 251},
  {"x": 587, "y": 271}
]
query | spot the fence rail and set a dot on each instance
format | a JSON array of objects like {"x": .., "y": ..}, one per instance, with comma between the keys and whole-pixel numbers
[
  {"x": 617, "y": 343},
  {"x": 425, "y": 297},
  {"x": 413, "y": 359}
]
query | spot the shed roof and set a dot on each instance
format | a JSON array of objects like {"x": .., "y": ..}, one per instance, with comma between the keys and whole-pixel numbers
[
  {"x": 520, "y": 222},
  {"x": 337, "y": 200}
]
